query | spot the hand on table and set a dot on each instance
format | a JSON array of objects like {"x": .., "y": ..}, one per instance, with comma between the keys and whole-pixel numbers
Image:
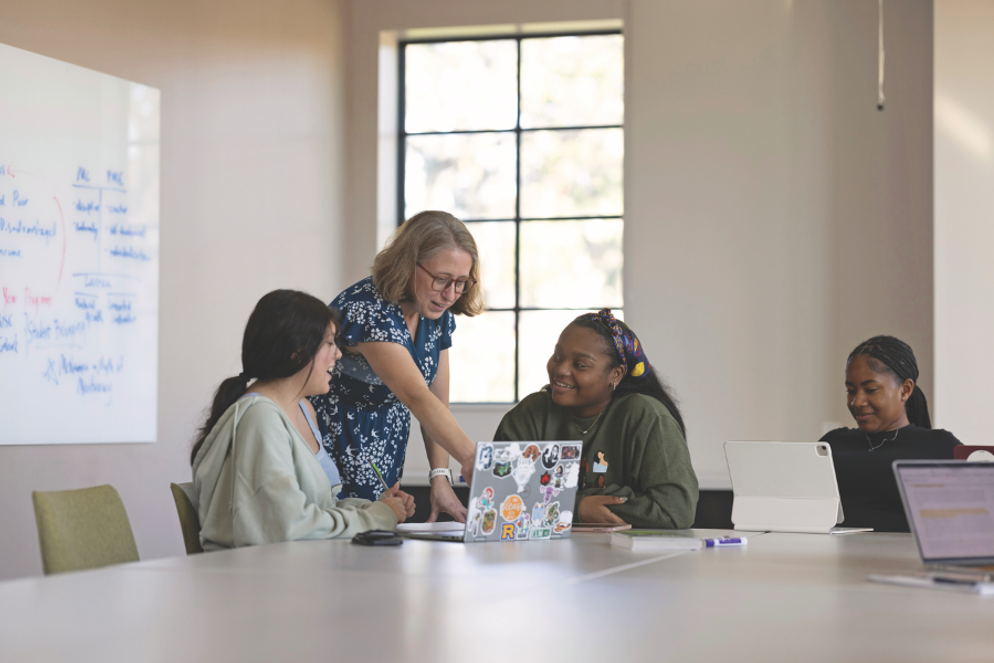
[
  {"x": 444, "y": 500},
  {"x": 593, "y": 509}
]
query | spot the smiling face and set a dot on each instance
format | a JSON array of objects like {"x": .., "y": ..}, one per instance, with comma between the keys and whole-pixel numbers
[
  {"x": 875, "y": 396},
  {"x": 580, "y": 372},
  {"x": 430, "y": 303},
  {"x": 319, "y": 380}
]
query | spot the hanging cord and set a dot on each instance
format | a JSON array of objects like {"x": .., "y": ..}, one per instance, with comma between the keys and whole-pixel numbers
[{"x": 880, "y": 56}]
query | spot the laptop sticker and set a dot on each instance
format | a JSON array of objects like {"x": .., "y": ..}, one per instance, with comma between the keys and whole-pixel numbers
[
  {"x": 551, "y": 515},
  {"x": 475, "y": 517},
  {"x": 502, "y": 463},
  {"x": 522, "y": 470},
  {"x": 489, "y": 522},
  {"x": 511, "y": 508},
  {"x": 551, "y": 491},
  {"x": 485, "y": 457},
  {"x": 522, "y": 527},
  {"x": 565, "y": 522},
  {"x": 572, "y": 475},
  {"x": 507, "y": 532},
  {"x": 531, "y": 452},
  {"x": 571, "y": 452},
  {"x": 550, "y": 456}
]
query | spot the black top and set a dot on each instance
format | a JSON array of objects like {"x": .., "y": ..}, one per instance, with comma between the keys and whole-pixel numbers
[{"x": 870, "y": 497}]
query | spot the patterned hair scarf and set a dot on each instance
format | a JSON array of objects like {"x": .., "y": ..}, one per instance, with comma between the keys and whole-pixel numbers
[{"x": 625, "y": 342}]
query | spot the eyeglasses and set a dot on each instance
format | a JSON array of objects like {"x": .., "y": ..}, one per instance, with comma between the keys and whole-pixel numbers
[{"x": 442, "y": 283}]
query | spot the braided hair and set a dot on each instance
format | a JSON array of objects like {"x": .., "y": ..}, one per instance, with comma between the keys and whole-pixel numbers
[{"x": 896, "y": 357}]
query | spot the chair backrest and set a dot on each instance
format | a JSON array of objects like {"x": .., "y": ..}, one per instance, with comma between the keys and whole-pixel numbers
[
  {"x": 189, "y": 519},
  {"x": 974, "y": 453},
  {"x": 83, "y": 529}
]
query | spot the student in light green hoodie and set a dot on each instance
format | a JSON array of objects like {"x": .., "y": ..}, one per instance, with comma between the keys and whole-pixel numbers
[{"x": 259, "y": 471}]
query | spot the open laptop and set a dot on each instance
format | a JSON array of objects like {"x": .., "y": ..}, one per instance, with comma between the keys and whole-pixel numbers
[
  {"x": 950, "y": 507},
  {"x": 785, "y": 487},
  {"x": 521, "y": 491}
]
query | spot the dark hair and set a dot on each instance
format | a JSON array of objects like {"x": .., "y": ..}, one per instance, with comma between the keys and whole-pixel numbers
[
  {"x": 282, "y": 336},
  {"x": 649, "y": 383},
  {"x": 896, "y": 357}
]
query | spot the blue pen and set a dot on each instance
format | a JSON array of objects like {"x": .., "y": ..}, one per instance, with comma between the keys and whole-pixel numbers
[{"x": 725, "y": 541}]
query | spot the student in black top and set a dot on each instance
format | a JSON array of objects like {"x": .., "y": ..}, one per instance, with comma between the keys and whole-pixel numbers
[{"x": 893, "y": 423}]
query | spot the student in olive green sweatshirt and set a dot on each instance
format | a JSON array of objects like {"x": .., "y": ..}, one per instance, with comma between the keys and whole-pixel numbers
[{"x": 635, "y": 466}]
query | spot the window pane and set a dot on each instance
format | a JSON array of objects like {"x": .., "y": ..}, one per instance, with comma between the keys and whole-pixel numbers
[
  {"x": 468, "y": 175},
  {"x": 495, "y": 242},
  {"x": 539, "y": 334},
  {"x": 571, "y": 263},
  {"x": 481, "y": 359},
  {"x": 572, "y": 81},
  {"x": 461, "y": 85},
  {"x": 571, "y": 173}
]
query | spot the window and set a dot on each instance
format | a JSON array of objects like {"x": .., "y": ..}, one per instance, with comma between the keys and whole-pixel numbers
[{"x": 522, "y": 139}]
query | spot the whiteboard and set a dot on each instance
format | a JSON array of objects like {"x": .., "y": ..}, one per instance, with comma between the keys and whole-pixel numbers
[{"x": 79, "y": 254}]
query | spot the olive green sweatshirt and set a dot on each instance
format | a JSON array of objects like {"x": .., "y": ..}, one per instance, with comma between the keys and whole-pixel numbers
[{"x": 634, "y": 450}]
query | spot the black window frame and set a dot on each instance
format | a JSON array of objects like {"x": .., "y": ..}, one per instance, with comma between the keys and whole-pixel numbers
[{"x": 403, "y": 134}]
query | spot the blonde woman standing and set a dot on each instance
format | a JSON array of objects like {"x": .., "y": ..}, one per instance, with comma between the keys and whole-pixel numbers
[{"x": 397, "y": 329}]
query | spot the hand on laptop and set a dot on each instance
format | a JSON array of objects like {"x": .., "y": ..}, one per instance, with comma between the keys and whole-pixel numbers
[
  {"x": 444, "y": 500},
  {"x": 593, "y": 509}
]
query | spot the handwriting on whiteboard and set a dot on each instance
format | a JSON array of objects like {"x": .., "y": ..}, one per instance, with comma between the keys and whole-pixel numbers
[{"x": 40, "y": 314}]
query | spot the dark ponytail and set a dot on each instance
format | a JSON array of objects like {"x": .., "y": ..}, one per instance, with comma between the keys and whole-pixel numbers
[
  {"x": 648, "y": 383},
  {"x": 282, "y": 336},
  {"x": 896, "y": 357}
]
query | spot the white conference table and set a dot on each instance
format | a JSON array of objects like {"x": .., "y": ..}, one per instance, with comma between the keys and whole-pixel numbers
[{"x": 784, "y": 597}]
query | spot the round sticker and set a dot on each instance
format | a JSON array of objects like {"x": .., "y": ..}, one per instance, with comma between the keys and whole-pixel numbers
[{"x": 511, "y": 508}]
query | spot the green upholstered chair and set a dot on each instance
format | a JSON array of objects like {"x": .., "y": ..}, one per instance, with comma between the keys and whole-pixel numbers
[
  {"x": 83, "y": 529},
  {"x": 189, "y": 519}
]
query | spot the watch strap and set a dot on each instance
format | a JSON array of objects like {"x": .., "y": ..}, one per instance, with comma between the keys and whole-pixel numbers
[{"x": 440, "y": 472}]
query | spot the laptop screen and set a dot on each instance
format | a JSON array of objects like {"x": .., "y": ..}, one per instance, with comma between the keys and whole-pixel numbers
[{"x": 950, "y": 507}]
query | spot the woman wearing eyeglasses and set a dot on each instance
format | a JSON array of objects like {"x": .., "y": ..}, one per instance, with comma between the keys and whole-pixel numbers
[{"x": 397, "y": 329}]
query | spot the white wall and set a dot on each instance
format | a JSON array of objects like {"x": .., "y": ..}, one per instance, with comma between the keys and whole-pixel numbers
[
  {"x": 252, "y": 151},
  {"x": 774, "y": 219},
  {"x": 964, "y": 206}
]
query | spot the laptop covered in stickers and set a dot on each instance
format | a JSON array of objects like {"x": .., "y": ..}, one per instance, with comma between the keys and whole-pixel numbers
[{"x": 520, "y": 491}]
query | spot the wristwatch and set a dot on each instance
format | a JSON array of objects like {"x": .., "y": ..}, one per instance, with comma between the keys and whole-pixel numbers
[{"x": 441, "y": 471}]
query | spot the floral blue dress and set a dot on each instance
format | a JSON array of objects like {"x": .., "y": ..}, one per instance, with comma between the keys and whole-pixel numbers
[{"x": 360, "y": 418}]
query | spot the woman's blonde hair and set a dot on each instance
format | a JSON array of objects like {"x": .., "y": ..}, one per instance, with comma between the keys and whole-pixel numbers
[{"x": 419, "y": 239}]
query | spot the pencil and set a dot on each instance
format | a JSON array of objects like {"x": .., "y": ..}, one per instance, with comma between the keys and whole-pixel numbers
[{"x": 378, "y": 474}]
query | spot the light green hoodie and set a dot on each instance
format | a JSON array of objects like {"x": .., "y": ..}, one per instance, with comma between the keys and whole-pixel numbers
[{"x": 257, "y": 481}]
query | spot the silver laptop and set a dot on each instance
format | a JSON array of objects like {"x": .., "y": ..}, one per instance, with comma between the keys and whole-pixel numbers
[
  {"x": 521, "y": 491},
  {"x": 950, "y": 507}
]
